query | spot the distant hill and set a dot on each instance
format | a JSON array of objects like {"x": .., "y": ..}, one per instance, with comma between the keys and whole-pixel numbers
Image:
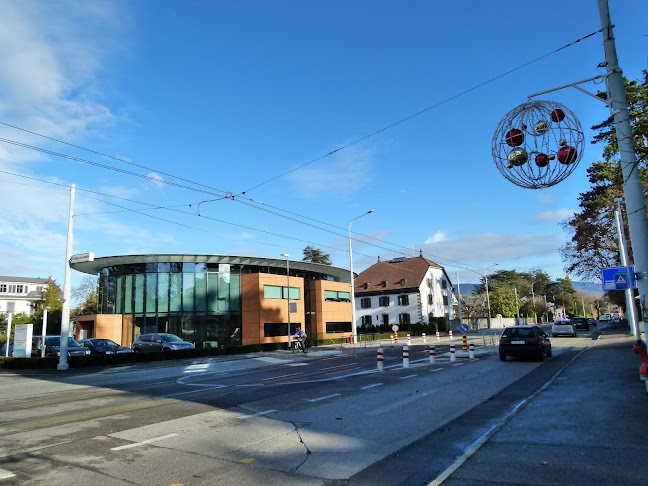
[{"x": 591, "y": 287}]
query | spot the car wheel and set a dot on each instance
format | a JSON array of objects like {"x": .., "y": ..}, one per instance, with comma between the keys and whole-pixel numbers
[
  {"x": 502, "y": 357},
  {"x": 541, "y": 355},
  {"x": 166, "y": 349},
  {"x": 549, "y": 353}
]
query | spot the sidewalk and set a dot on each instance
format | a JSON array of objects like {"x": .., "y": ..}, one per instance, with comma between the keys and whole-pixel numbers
[{"x": 589, "y": 425}]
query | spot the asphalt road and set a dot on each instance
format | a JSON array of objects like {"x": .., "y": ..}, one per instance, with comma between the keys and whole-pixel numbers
[{"x": 327, "y": 417}]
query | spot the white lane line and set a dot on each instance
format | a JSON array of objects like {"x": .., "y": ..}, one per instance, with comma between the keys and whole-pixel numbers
[
  {"x": 282, "y": 376},
  {"x": 370, "y": 386},
  {"x": 297, "y": 364},
  {"x": 252, "y": 384},
  {"x": 323, "y": 398},
  {"x": 398, "y": 404},
  {"x": 4, "y": 474},
  {"x": 144, "y": 442},
  {"x": 339, "y": 366},
  {"x": 205, "y": 385},
  {"x": 408, "y": 376},
  {"x": 243, "y": 417},
  {"x": 436, "y": 369},
  {"x": 458, "y": 364}
]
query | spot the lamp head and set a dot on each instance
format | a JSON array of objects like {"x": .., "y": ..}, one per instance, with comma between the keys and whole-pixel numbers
[{"x": 285, "y": 255}]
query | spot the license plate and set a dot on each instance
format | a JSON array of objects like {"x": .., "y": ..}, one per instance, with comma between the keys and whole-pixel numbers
[{"x": 518, "y": 342}]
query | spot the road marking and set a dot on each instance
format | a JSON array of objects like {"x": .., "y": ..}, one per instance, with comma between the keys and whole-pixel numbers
[
  {"x": 4, "y": 474},
  {"x": 398, "y": 404},
  {"x": 282, "y": 376},
  {"x": 144, "y": 442},
  {"x": 243, "y": 417},
  {"x": 252, "y": 384},
  {"x": 408, "y": 376},
  {"x": 339, "y": 366},
  {"x": 436, "y": 369},
  {"x": 458, "y": 364},
  {"x": 371, "y": 386},
  {"x": 323, "y": 398},
  {"x": 297, "y": 364},
  {"x": 205, "y": 385}
]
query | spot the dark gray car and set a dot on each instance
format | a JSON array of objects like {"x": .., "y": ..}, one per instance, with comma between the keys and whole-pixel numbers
[{"x": 160, "y": 341}]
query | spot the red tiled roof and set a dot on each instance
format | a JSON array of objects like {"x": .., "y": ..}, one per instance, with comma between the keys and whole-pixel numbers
[{"x": 413, "y": 270}]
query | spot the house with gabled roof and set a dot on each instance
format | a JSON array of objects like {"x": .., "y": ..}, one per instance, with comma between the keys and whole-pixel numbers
[
  {"x": 20, "y": 294},
  {"x": 403, "y": 291}
]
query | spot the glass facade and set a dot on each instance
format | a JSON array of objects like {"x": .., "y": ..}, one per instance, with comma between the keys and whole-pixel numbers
[{"x": 198, "y": 302}]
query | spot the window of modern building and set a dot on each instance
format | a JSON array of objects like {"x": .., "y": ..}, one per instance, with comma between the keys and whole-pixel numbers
[
  {"x": 404, "y": 319},
  {"x": 277, "y": 292},
  {"x": 337, "y": 327},
  {"x": 384, "y": 301},
  {"x": 334, "y": 296},
  {"x": 274, "y": 329},
  {"x": 403, "y": 299},
  {"x": 365, "y": 303}
]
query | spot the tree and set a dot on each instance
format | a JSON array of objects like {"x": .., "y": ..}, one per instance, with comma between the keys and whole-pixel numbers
[
  {"x": 315, "y": 255},
  {"x": 52, "y": 300},
  {"x": 594, "y": 243},
  {"x": 87, "y": 293},
  {"x": 21, "y": 318}
]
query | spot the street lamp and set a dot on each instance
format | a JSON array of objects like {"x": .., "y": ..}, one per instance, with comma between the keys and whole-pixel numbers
[
  {"x": 354, "y": 329},
  {"x": 286, "y": 255},
  {"x": 535, "y": 313}
]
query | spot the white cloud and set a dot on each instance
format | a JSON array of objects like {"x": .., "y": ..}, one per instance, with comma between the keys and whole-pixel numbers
[
  {"x": 554, "y": 216},
  {"x": 545, "y": 197},
  {"x": 436, "y": 238},
  {"x": 157, "y": 179}
]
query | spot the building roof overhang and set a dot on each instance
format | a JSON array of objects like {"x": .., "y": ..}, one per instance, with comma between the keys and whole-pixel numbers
[{"x": 97, "y": 264}]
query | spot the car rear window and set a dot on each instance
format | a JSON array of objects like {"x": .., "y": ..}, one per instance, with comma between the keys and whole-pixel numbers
[{"x": 518, "y": 332}]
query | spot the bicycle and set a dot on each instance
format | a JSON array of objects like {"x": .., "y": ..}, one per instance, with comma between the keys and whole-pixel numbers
[{"x": 299, "y": 345}]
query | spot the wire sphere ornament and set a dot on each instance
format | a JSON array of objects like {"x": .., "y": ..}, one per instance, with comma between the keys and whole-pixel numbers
[{"x": 538, "y": 144}]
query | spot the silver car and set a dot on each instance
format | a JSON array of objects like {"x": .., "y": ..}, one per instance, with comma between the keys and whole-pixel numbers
[
  {"x": 563, "y": 327},
  {"x": 160, "y": 341}
]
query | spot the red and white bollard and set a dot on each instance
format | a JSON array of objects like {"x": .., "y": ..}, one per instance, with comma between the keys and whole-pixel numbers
[
  {"x": 471, "y": 350},
  {"x": 432, "y": 353},
  {"x": 453, "y": 356},
  {"x": 424, "y": 338},
  {"x": 450, "y": 335},
  {"x": 409, "y": 340},
  {"x": 438, "y": 336},
  {"x": 405, "y": 357},
  {"x": 392, "y": 338},
  {"x": 380, "y": 359}
]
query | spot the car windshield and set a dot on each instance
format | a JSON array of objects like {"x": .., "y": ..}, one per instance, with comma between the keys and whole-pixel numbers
[
  {"x": 56, "y": 341},
  {"x": 170, "y": 338},
  {"x": 104, "y": 342}
]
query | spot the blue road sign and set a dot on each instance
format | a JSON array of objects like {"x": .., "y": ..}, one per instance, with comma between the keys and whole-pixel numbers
[
  {"x": 617, "y": 278},
  {"x": 464, "y": 328}
]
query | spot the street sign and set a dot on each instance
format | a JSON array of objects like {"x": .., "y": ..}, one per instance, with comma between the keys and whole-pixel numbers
[
  {"x": 617, "y": 278},
  {"x": 464, "y": 328},
  {"x": 395, "y": 328}
]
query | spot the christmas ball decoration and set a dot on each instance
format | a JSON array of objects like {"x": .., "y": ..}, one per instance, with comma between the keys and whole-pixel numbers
[
  {"x": 557, "y": 115},
  {"x": 544, "y": 133},
  {"x": 541, "y": 127},
  {"x": 567, "y": 155},
  {"x": 515, "y": 137},
  {"x": 518, "y": 156},
  {"x": 542, "y": 160}
]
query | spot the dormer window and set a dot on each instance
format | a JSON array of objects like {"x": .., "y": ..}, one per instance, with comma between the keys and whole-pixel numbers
[
  {"x": 384, "y": 283},
  {"x": 403, "y": 281},
  {"x": 365, "y": 285}
]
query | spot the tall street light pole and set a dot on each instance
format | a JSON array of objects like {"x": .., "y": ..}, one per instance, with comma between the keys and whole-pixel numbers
[
  {"x": 354, "y": 328},
  {"x": 535, "y": 313},
  {"x": 286, "y": 255},
  {"x": 65, "y": 310}
]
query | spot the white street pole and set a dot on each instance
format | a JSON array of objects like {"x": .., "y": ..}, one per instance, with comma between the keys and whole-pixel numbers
[
  {"x": 631, "y": 309},
  {"x": 354, "y": 327},
  {"x": 517, "y": 305},
  {"x": 65, "y": 311},
  {"x": 488, "y": 302},
  {"x": 632, "y": 187},
  {"x": 535, "y": 312},
  {"x": 546, "y": 310},
  {"x": 44, "y": 332},
  {"x": 9, "y": 316},
  {"x": 286, "y": 255},
  {"x": 459, "y": 290}
]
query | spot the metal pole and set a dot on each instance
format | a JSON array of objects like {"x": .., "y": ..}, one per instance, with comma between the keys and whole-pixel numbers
[
  {"x": 632, "y": 188},
  {"x": 286, "y": 255},
  {"x": 44, "y": 332},
  {"x": 517, "y": 305},
  {"x": 354, "y": 328},
  {"x": 9, "y": 316},
  {"x": 535, "y": 313},
  {"x": 631, "y": 309},
  {"x": 546, "y": 310},
  {"x": 584, "y": 311},
  {"x": 459, "y": 290},
  {"x": 65, "y": 311},
  {"x": 488, "y": 302}
]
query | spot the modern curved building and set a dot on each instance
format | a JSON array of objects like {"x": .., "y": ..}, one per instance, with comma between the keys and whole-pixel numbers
[{"x": 215, "y": 300}]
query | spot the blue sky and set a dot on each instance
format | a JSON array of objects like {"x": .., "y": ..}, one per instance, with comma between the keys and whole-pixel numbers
[{"x": 252, "y": 96}]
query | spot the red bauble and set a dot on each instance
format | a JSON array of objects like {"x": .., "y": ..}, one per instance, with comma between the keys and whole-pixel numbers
[
  {"x": 515, "y": 137},
  {"x": 557, "y": 115},
  {"x": 542, "y": 160},
  {"x": 567, "y": 155}
]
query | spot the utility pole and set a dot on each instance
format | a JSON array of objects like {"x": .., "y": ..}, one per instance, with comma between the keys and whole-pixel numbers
[
  {"x": 65, "y": 311},
  {"x": 459, "y": 291},
  {"x": 635, "y": 203},
  {"x": 517, "y": 305},
  {"x": 631, "y": 310}
]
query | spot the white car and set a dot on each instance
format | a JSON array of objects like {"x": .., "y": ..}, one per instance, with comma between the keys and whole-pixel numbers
[
  {"x": 563, "y": 327},
  {"x": 605, "y": 317}
]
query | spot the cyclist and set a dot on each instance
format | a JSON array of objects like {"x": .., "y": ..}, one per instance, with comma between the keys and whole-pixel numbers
[{"x": 300, "y": 338}]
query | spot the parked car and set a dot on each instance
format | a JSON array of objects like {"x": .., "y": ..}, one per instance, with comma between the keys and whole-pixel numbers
[
  {"x": 591, "y": 321},
  {"x": 580, "y": 323},
  {"x": 53, "y": 346},
  {"x": 160, "y": 341},
  {"x": 103, "y": 346},
  {"x": 3, "y": 349},
  {"x": 562, "y": 327},
  {"x": 524, "y": 341},
  {"x": 605, "y": 317}
]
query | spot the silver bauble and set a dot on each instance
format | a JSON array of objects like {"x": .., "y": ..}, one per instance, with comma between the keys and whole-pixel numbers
[
  {"x": 541, "y": 127},
  {"x": 518, "y": 156}
]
